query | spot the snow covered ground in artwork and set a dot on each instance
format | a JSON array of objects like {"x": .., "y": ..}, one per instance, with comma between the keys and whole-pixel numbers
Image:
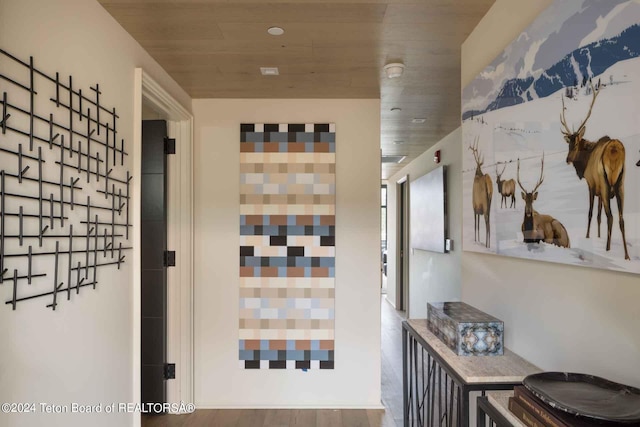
[{"x": 526, "y": 131}]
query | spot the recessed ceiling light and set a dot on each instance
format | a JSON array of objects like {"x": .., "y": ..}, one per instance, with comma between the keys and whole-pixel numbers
[
  {"x": 275, "y": 31},
  {"x": 418, "y": 120},
  {"x": 269, "y": 71},
  {"x": 396, "y": 109}
]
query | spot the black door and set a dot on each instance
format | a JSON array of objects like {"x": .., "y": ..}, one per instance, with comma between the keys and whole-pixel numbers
[
  {"x": 154, "y": 275},
  {"x": 402, "y": 244}
]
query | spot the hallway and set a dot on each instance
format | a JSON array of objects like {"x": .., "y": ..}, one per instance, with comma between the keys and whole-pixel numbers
[
  {"x": 391, "y": 398},
  {"x": 392, "y": 362}
]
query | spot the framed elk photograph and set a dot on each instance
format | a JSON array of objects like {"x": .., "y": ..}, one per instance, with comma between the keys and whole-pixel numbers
[{"x": 551, "y": 141}]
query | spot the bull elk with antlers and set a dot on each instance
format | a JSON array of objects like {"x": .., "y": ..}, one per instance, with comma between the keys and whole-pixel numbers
[
  {"x": 482, "y": 194},
  {"x": 601, "y": 164},
  {"x": 537, "y": 227},
  {"x": 507, "y": 188}
]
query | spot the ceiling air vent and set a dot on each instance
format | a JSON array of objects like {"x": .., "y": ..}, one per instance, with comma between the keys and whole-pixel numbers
[{"x": 392, "y": 159}]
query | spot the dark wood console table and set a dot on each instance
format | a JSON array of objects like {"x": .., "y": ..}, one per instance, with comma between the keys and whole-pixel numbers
[{"x": 437, "y": 383}]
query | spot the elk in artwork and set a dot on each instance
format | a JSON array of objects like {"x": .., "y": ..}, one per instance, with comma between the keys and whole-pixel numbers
[
  {"x": 507, "y": 188},
  {"x": 601, "y": 164},
  {"x": 482, "y": 194},
  {"x": 538, "y": 227}
]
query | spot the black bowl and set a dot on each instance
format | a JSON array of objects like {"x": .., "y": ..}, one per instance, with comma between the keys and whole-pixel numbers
[{"x": 586, "y": 396}]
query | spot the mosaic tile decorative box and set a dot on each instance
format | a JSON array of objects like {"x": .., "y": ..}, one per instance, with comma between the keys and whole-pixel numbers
[{"x": 465, "y": 329}]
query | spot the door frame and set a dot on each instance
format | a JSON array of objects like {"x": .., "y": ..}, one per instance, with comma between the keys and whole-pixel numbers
[
  {"x": 179, "y": 238},
  {"x": 402, "y": 234}
]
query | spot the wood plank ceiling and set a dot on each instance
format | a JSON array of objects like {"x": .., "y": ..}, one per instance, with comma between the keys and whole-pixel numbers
[{"x": 336, "y": 49}]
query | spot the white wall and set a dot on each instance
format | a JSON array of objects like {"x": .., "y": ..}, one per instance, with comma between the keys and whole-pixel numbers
[
  {"x": 220, "y": 382},
  {"x": 558, "y": 317},
  {"x": 83, "y": 351},
  {"x": 432, "y": 276}
]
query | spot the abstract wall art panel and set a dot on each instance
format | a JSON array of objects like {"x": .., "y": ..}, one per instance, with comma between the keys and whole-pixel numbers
[
  {"x": 287, "y": 246},
  {"x": 64, "y": 186},
  {"x": 551, "y": 141}
]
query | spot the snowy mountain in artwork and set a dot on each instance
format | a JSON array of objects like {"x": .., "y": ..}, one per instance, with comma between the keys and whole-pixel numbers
[{"x": 544, "y": 58}]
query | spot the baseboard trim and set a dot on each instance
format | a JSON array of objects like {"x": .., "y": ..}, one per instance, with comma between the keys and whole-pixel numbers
[
  {"x": 313, "y": 407},
  {"x": 386, "y": 297}
]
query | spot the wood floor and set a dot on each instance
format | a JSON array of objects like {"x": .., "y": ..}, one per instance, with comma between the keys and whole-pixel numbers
[
  {"x": 392, "y": 361},
  {"x": 391, "y": 398}
]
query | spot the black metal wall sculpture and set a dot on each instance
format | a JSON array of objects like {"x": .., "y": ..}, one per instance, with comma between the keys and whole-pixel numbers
[{"x": 42, "y": 195}]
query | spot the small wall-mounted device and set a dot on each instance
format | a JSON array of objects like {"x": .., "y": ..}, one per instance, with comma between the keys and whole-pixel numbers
[{"x": 436, "y": 157}]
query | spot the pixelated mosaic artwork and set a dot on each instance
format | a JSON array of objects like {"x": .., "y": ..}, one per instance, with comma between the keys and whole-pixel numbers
[{"x": 287, "y": 246}]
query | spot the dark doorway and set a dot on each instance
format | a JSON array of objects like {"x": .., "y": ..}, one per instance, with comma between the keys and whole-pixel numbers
[
  {"x": 402, "y": 241},
  {"x": 383, "y": 235},
  {"x": 154, "y": 274}
]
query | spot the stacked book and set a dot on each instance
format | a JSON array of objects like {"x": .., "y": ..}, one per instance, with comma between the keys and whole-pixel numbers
[{"x": 533, "y": 412}]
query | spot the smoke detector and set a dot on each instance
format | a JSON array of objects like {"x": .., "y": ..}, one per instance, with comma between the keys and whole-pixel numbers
[{"x": 394, "y": 70}]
